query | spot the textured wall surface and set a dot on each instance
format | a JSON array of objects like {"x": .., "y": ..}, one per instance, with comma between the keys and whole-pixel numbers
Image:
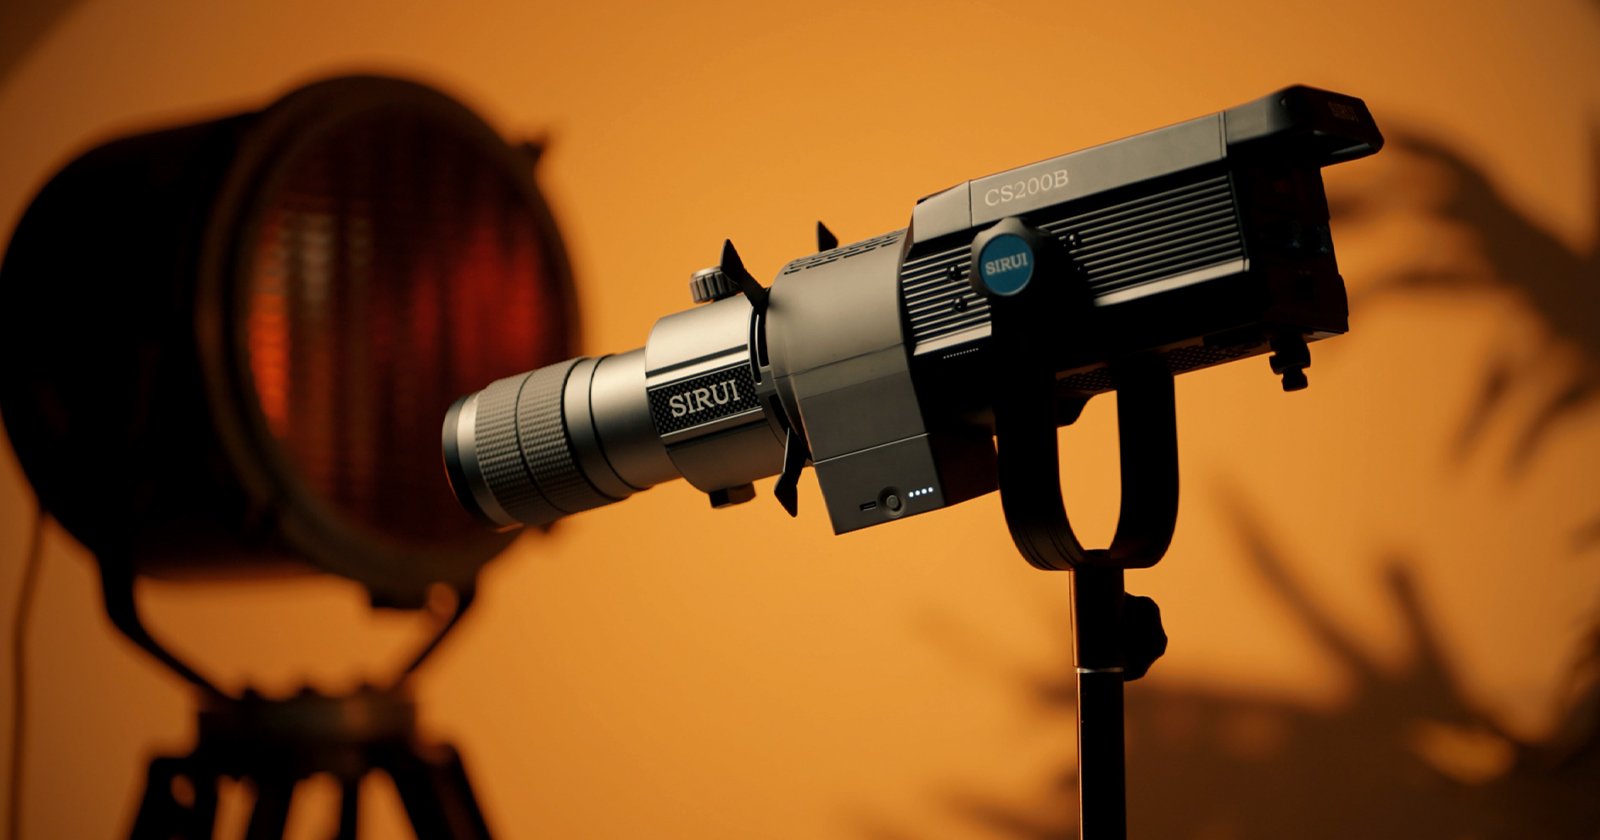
[{"x": 1383, "y": 592}]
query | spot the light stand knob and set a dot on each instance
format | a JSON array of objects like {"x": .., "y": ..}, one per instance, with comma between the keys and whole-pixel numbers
[{"x": 1143, "y": 638}]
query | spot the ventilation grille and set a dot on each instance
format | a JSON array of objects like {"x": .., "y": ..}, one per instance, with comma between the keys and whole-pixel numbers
[
  {"x": 1173, "y": 232},
  {"x": 844, "y": 252},
  {"x": 938, "y": 300},
  {"x": 1153, "y": 237}
]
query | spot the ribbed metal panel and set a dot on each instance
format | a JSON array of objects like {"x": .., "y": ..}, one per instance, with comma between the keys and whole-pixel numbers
[
  {"x": 1180, "y": 230},
  {"x": 939, "y": 302},
  {"x": 844, "y": 252},
  {"x": 1174, "y": 232}
]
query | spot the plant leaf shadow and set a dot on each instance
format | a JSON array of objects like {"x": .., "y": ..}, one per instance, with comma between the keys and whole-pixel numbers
[
  {"x": 1408, "y": 755},
  {"x": 1505, "y": 252}
]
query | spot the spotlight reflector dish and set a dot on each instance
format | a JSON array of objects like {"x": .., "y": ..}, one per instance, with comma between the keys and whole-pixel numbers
[{"x": 227, "y": 343}]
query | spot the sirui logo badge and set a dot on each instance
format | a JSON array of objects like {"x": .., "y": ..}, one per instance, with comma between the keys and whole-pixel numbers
[
  {"x": 704, "y": 398},
  {"x": 1006, "y": 264}
]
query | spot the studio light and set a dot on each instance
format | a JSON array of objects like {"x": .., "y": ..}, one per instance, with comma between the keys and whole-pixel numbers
[
  {"x": 931, "y": 365},
  {"x": 226, "y": 349}
]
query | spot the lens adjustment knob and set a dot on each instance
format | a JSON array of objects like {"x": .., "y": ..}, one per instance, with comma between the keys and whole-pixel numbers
[{"x": 709, "y": 284}]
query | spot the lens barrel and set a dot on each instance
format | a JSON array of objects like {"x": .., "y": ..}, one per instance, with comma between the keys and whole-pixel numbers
[
  {"x": 509, "y": 456},
  {"x": 535, "y": 447}
]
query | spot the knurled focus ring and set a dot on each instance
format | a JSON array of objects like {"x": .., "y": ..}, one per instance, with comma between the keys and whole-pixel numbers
[
  {"x": 524, "y": 451},
  {"x": 546, "y": 446},
  {"x": 500, "y": 456}
]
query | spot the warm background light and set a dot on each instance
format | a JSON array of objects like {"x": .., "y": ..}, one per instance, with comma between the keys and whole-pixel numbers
[
  {"x": 658, "y": 669},
  {"x": 381, "y": 286}
]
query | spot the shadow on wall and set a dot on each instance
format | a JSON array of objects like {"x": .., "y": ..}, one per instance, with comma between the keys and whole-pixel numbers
[
  {"x": 26, "y": 22},
  {"x": 1503, "y": 253},
  {"x": 1408, "y": 755}
]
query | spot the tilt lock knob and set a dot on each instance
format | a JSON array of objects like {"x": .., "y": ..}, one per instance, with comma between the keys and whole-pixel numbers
[{"x": 709, "y": 284}]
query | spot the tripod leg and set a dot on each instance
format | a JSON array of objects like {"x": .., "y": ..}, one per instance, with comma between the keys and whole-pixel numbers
[
  {"x": 271, "y": 812},
  {"x": 162, "y": 815},
  {"x": 437, "y": 795},
  {"x": 204, "y": 815},
  {"x": 349, "y": 806},
  {"x": 1097, "y": 626}
]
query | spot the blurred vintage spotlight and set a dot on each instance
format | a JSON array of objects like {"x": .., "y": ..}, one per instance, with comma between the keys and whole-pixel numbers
[{"x": 226, "y": 346}]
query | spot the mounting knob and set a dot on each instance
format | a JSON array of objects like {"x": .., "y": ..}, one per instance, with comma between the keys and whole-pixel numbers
[
  {"x": 1290, "y": 358},
  {"x": 1143, "y": 639},
  {"x": 709, "y": 284}
]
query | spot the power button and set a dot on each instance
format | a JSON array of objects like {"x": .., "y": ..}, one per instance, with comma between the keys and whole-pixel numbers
[{"x": 891, "y": 502}]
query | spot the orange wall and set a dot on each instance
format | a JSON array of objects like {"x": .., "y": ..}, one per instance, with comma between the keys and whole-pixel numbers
[{"x": 658, "y": 669}]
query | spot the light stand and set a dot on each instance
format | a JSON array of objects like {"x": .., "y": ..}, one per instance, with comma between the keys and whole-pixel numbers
[
  {"x": 1116, "y": 636},
  {"x": 265, "y": 310}
]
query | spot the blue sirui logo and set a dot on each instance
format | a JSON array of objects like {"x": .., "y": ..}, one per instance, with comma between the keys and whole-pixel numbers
[{"x": 1006, "y": 264}]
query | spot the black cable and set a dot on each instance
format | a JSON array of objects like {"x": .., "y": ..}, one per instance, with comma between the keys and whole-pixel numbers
[{"x": 19, "y": 671}]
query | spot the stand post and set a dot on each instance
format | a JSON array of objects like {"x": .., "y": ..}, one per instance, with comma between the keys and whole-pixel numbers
[{"x": 1096, "y": 615}]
